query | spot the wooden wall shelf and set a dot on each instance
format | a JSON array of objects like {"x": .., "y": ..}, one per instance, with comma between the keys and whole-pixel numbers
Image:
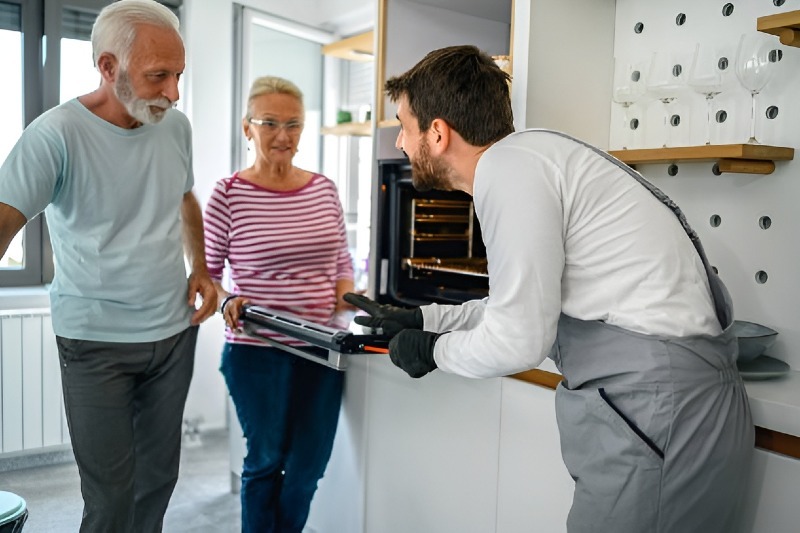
[
  {"x": 356, "y": 48},
  {"x": 785, "y": 25},
  {"x": 353, "y": 129},
  {"x": 735, "y": 158}
]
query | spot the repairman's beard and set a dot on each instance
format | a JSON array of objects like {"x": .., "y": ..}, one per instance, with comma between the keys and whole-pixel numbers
[{"x": 428, "y": 173}]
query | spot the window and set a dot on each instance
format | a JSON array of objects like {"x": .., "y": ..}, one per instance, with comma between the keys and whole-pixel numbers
[
  {"x": 28, "y": 89},
  {"x": 78, "y": 75},
  {"x": 11, "y": 108}
]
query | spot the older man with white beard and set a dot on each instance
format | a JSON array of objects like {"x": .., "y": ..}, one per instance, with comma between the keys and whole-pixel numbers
[{"x": 112, "y": 171}]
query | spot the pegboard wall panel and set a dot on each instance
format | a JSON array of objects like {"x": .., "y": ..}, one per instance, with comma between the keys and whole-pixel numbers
[{"x": 749, "y": 224}]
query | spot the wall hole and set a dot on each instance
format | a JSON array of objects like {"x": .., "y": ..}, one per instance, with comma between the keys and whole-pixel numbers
[
  {"x": 764, "y": 222},
  {"x": 722, "y": 64},
  {"x": 676, "y": 70},
  {"x": 761, "y": 277},
  {"x": 715, "y": 170},
  {"x": 727, "y": 10},
  {"x": 634, "y": 123},
  {"x": 775, "y": 55},
  {"x": 638, "y": 27},
  {"x": 716, "y": 271},
  {"x": 635, "y": 76},
  {"x": 778, "y": 3},
  {"x": 772, "y": 112},
  {"x": 721, "y": 116},
  {"x": 680, "y": 20},
  {"x": 675, "y": 120},
  {"x": 672, "y": 170},
  {"x": 715, "y": 221}
]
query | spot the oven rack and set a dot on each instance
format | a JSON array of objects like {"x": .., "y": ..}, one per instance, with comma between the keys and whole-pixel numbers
[{"x": 467, "y": 266}]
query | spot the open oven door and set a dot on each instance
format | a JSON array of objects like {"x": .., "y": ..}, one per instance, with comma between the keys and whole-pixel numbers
[{"x": 326, "y": 345}]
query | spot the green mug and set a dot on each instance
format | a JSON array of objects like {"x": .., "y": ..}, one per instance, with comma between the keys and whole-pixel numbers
[{"x": 343, "y": 116}]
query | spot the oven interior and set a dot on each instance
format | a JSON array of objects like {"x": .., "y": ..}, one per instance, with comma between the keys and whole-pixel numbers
[{"x": 429, "y": 243}]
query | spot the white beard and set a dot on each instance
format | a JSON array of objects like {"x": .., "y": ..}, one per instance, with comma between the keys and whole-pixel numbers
[{"x": 139, "y": 108}]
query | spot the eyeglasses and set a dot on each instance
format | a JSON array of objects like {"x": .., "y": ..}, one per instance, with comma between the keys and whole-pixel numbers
[{"x": 293, "y": 127}]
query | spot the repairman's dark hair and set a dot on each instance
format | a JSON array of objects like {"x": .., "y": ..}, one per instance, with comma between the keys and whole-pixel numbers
[{"x": 464, "y": 87}]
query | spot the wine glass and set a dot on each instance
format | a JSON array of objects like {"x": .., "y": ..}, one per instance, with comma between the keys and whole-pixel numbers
[
  {"x": 665, "y": 80},
  {"x": 754, "y": 69},
  {"x": 629, "y": 87},
  {"x": 708, "y": 75}
]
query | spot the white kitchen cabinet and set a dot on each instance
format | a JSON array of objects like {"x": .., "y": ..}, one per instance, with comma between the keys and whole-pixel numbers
[
  {"x": 338, "y": 505},
  {"x": 563, "y": 59},
  {"x": 534, "y": 489},
  {"x": 771, "y": 501},
  {"x": 432, "y": 452}
]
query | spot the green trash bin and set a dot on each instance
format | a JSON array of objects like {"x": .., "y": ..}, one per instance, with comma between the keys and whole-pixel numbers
[{"x": 13, "y": 512}]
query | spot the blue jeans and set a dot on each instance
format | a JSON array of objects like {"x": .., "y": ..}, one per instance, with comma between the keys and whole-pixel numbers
[{"x": 288, "y": 408}]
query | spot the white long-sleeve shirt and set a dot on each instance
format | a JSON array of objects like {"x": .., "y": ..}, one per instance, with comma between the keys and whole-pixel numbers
[{"x": 567, "y": 230}]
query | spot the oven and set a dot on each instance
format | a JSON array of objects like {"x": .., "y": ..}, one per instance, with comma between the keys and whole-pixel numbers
[{"x": 426, "y": 246}]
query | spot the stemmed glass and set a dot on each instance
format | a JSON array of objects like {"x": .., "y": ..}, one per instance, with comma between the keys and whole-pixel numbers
[
  {"x": 754, "y": 69},
  {"x": 665, "y": 80},
  {"x": 708, "y": 76},
  {"x": 628, "y": 88}
]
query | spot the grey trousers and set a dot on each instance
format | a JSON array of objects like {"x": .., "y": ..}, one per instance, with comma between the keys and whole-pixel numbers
[{"x": 124, "y": 404}]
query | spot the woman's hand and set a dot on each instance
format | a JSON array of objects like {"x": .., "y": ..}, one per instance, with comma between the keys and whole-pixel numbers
[{"x": 232, "y": 310}]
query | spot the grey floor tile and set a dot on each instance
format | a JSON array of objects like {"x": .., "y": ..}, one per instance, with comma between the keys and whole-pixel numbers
[{"x": 202, "y": 501}]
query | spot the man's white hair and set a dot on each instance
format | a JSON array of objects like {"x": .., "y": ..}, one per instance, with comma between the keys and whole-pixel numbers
[{"x": 115, "y": 28}]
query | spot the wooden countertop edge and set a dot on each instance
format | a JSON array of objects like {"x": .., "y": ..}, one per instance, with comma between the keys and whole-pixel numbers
[
  {"x": 766, "y": 439},
  {"x": 543, "y": 378}
]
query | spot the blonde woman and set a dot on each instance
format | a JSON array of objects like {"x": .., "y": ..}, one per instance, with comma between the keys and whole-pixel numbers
[{"x": 281, "y": 230}]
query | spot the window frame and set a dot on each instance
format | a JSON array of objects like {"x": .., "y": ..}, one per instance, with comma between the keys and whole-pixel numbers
[{"x": 41, "y": 83}]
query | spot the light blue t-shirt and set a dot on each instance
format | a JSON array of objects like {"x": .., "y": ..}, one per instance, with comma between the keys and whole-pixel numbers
[{"x": 113, "y": 200}]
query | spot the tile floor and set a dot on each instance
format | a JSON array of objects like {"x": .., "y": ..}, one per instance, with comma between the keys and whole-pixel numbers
[{"x": 202, "y": 501}]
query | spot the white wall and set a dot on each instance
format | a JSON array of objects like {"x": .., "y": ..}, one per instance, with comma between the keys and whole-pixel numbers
[{"x": 738, "y": 247}]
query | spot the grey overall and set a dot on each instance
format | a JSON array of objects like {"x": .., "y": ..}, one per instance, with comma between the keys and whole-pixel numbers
[{"x": 655, "y": 431}]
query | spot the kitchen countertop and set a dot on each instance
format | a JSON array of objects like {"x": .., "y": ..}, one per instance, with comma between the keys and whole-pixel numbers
[{"x": 775, "y": 403}]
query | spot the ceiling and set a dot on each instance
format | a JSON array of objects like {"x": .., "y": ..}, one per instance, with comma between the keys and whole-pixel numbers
[{"x": 498, "y": 10}]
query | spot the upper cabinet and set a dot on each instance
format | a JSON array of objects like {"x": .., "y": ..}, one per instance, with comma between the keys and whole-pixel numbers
[
  {"x": 408, "y": 30},
  {"x": 356, "y": 48},
  {"x": 563, "y": 55}
]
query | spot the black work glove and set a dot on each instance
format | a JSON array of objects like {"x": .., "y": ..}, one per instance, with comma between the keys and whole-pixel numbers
[
  {"x": 387, "y": 317},
  {"x": 412, "y": 351}
]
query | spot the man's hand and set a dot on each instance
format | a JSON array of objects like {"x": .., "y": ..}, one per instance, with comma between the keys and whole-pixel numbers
[
  {"x": 412, "y": 351},
  {"x": 11, "y": 221},
  {"x": 387, "y": 317},
  {"x": 201, "y": 284}
]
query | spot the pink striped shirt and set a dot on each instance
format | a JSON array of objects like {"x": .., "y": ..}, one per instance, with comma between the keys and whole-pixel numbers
[{"x": 285, "y": 249}]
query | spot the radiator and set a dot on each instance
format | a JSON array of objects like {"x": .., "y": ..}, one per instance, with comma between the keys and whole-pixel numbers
[{"x": 31, "y": 404}]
